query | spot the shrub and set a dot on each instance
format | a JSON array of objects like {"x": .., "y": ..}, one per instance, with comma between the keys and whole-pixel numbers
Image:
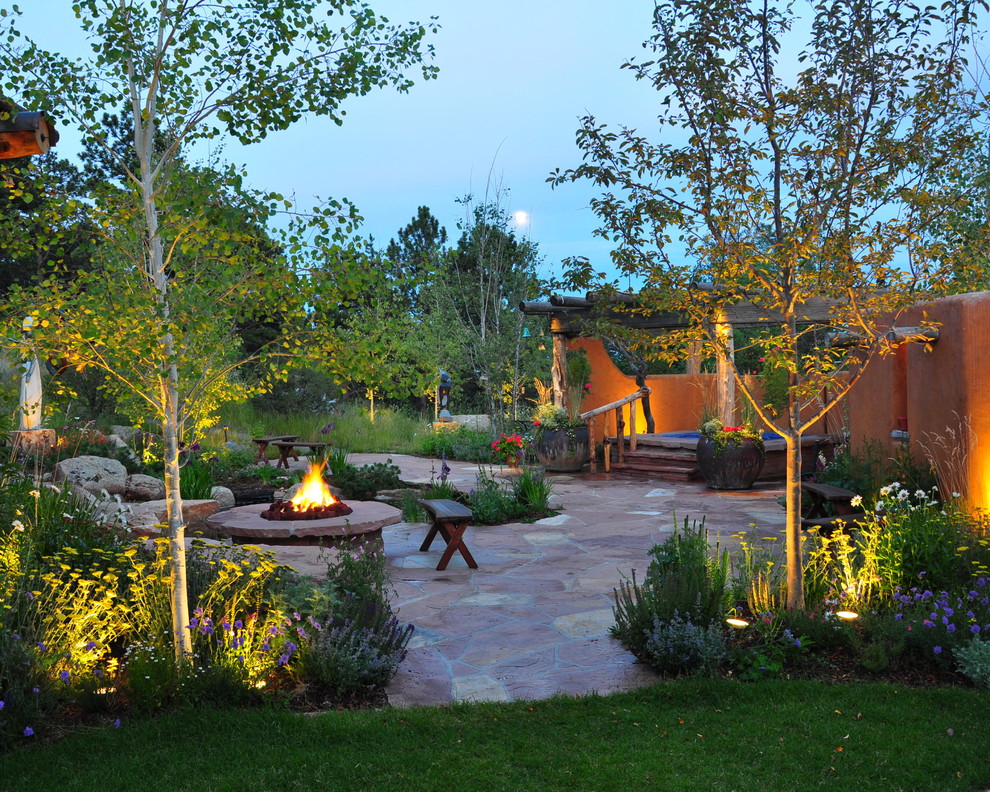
[
  {"x": 678, "y": 646},
  {"x": 363, "y": 483},
  {"x": 352, "y": 656},
  {"x": 684, "y": 579},
  {"x": 462, "y": 443},
  {"x": 492, "y": 503},
  {"x": 533, "y": 490},
  {"x": 974, "y": 661},
  {"x": 197, "y": 481}
]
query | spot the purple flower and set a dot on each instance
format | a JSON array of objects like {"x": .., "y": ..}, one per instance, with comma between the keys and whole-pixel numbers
[
  {"x": 898, "y": 616},
  {"x": 116, "y": 723},
  {"x": 193, "y": 624},
  {"x": 28, "y": 731},
  {"x": 937, "y": 650},
  {"x": 1, "y": 705},
  {"x": 90, "y": 646},
  {"x": 30, "y": 596},
  {"x": 974, "y": 629},
  {"x": 951, "y": 628},
  {"x": 238, "y": 625},
  {"x": 64, "y": 676}
]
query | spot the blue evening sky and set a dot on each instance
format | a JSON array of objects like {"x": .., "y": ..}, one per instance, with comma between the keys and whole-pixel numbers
[{"x": 515, "y": 77}]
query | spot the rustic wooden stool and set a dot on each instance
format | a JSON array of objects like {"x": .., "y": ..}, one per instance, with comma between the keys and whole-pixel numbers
[{"x": 450, "y": 519}]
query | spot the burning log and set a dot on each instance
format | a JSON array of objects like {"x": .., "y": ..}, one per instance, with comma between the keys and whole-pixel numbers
[
  {"x": 314, "y": 501},
  {"x": 286, "y": 510}
]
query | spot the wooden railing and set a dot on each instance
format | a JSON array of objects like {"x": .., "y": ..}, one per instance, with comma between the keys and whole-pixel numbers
[{"x": 620, "y": 425}]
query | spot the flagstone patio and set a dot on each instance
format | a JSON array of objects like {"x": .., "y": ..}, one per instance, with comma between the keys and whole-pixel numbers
[{"x": 533, "y": 619}]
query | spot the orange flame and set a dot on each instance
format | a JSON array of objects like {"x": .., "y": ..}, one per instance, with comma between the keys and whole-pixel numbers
[{"x": 313, "y": 492}]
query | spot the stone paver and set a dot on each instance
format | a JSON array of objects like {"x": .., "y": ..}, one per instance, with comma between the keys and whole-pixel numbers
[{"x": 533, "y": 620}]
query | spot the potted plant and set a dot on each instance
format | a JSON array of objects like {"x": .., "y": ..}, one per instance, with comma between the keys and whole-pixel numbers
[
  {"x": 561, "y": 443},
  {"x": 730, "y": 457},
  {"x": 510, "y": 448}
]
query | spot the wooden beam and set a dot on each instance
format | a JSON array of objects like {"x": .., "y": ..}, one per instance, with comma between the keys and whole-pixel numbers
[{"x": 26, "y": 134}]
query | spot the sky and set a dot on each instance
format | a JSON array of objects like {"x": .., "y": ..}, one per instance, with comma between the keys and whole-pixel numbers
[{"x": 515, "y": 79}]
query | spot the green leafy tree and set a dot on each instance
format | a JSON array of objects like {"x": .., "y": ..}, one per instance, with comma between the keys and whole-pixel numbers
[
  {"x": 478, "y": 288},
  {"x": 195, "y": 70},
  {"x": 794, "y": 184}
]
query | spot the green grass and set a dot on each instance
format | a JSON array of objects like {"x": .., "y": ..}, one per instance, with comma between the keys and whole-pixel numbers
[
  {"x": 684, "y": 735},
  {"x": 394, "y": 431}
]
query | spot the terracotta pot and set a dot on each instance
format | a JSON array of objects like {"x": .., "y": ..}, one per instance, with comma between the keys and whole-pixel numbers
[
  {"x": 736, "y": 468},
  {"x": 563, "y": 450}
]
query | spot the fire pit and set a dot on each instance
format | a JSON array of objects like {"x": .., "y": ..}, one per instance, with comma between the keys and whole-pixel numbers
[{"x": 312, "y": 517}]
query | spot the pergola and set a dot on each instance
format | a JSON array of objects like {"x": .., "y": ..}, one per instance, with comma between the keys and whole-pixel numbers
[{"x": 572, "y": 316}]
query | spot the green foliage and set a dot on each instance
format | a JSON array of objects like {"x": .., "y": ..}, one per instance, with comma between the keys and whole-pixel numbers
[
  {"x": 533, "y": 490},
  {"x": 974, "y": 661},
  {"x": 494, "y": 502},
  {"x": 353, "y": 656},
  {"x": 363, "y": 483},
  {"x": 678, "y": 646},
  {"x": 685, "y": 581},
  {"x": 198, "y": 480},
  {"x": 906, "y": 539},
  {"x": 461, "y": 442}
]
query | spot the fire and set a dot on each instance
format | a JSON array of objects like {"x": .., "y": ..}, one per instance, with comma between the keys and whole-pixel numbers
[{"x": 313, "y": 493}]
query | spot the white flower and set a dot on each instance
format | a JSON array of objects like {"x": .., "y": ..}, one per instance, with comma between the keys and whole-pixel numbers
[
  {"x": 921, "y": 494},
  {"x": 34, "y": 494},
  {"x": 903, "y": 495},
  {"x": 956, "y": 495},
  {"x": 17, "y": 525},
  {"x": 884, "y": 491},
  {"x": 856, "y": 500}
]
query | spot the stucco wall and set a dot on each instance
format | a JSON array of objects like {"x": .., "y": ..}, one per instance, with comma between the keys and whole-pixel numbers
[{"x": 933, "y": 389}]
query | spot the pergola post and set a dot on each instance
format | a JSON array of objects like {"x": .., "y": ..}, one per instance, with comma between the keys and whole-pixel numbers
[
  {"x": 726, "y": 384},
  {"x": 558, "y": 371}
]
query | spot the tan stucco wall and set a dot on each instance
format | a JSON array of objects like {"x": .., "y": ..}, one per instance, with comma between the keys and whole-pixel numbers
[
  {"x": 677, "y": 400},
  {"x": 933, "y": 389}
]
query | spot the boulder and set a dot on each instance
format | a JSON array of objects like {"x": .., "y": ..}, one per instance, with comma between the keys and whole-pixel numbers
[
  {"x": 125, "y": 433},
  {"x": 149, "y": 519},
  {"x": 224, "y": 497},
  {"x": 94, "y": 474},
  {"x": 144, "y": 488},
  {"x": 481, "y": 423}
]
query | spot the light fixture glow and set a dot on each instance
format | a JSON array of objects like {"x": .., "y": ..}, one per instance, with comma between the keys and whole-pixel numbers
[
  {"x": 738, "y": 623},
  {"x": 848, "y": 615}
]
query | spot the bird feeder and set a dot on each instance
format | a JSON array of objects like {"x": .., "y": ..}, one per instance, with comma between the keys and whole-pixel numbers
[{"x": 26, "y": 133}]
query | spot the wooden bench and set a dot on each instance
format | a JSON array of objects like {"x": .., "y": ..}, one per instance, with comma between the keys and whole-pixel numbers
[
  {"x": 264, "y": 441},
  {"x": 816, "y": 500},
  {"x": 450, "y": 519},
  {"x": 288, "y": 447}
]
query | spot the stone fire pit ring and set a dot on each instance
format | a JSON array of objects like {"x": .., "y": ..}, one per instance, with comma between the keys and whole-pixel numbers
[{"x": 363, "y": 526}]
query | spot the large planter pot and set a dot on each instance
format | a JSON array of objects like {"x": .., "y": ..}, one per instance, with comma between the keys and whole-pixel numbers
[
  {"x": 735, "y": 468},
  {"x": 563, "y": 450}
]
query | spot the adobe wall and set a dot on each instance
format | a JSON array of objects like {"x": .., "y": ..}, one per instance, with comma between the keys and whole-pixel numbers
[
  {"x": 933, "y": 389},
  {"x": 676, "y": 400}
]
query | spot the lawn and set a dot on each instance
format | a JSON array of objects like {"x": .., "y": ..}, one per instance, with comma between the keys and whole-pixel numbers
[{"x": 691, "y": 734}]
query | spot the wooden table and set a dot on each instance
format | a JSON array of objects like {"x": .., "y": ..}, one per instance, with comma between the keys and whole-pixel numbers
[
  {"x": 288, "y": 447},
  {"x": 264, "y": 441},
  {"x": 817, "y": 502},
  {"x": 450, "y": 519}
]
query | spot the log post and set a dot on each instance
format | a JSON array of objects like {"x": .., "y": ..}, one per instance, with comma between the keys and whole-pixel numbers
[
  {"x": 726, "y": 382},
  {"x": 558, "y": 371}
]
